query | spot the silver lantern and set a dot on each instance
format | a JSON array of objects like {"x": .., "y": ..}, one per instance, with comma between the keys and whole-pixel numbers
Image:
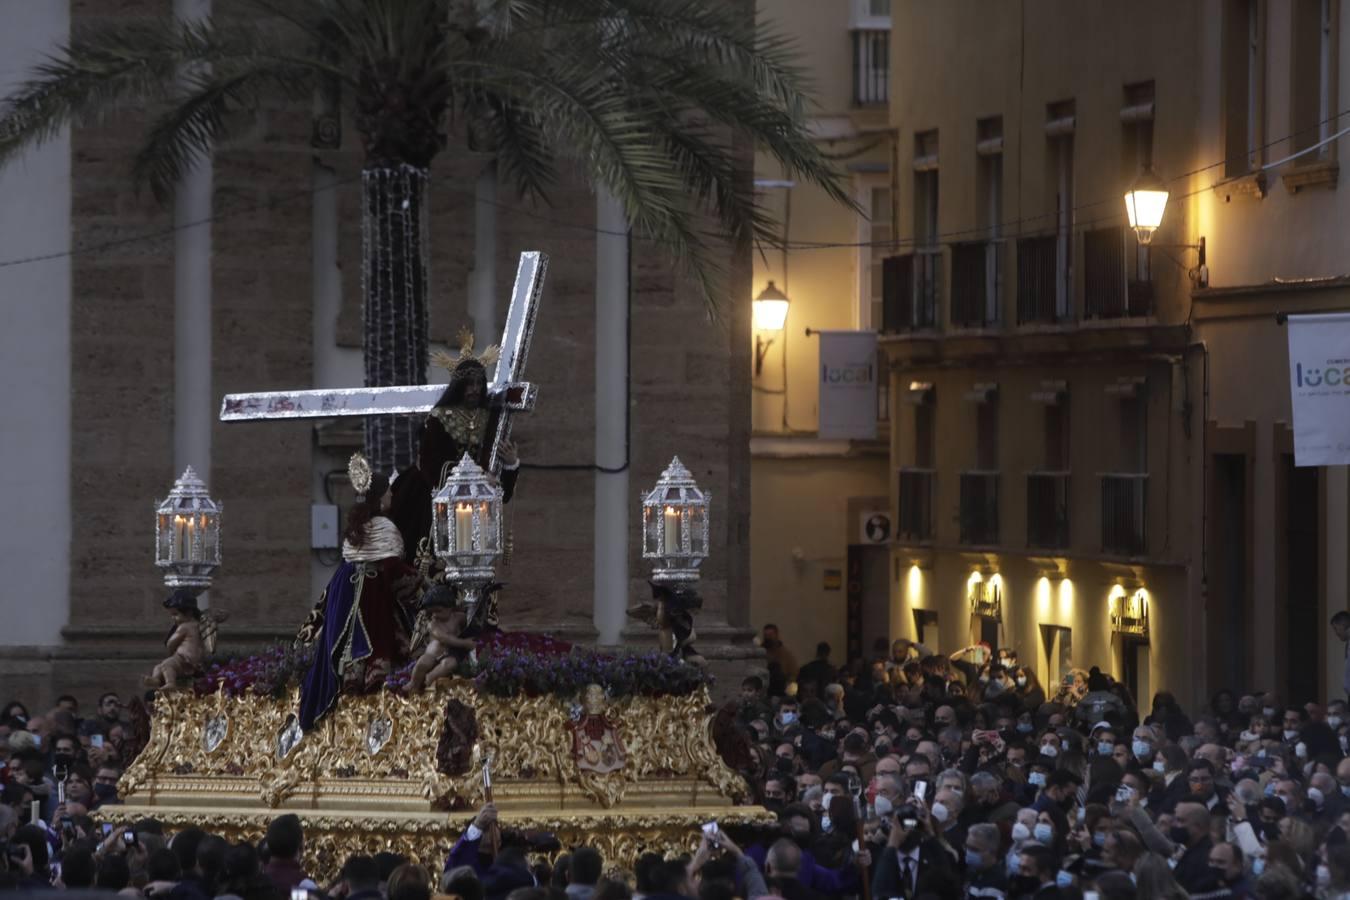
[
  {"x": 187, "y": 534},
  {"x": 675, "y": 526},
  {"x": 466, "y": 527}
]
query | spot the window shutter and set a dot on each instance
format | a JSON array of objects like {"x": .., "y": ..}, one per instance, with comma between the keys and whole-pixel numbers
[{"x": 897, "y": 293}]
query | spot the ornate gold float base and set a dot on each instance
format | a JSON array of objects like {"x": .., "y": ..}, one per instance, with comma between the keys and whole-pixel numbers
[{"x": 399, "y": 773}]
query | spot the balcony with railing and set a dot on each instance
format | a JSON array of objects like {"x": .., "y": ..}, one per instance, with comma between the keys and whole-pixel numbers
[
  {"x": 916, "y": 505},
  {"x": 1124, "y": 508},
  {"x": 1042, "y": 282},
  {"x": 1048, "y": 510},
  {"x": 910, "y": 287},
  {"x": 979, "y": 508},
  {"x": 1116, "y": 280},
  {"x": 871, "y": 66},
  {"x": 977, "y": 283}
]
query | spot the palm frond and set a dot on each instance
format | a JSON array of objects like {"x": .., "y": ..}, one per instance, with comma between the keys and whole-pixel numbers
[
  {"x": 201, "y": 118},
  {"x": 593, "y": 122}
]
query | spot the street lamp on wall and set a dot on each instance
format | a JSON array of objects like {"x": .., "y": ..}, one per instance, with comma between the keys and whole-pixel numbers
[
  {"x": 1145, "y": 203},
  {"x": 771, "y": 309}
]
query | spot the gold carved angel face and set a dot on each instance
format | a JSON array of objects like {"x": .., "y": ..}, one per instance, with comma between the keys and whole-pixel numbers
[{"x": 593, "y": 700}]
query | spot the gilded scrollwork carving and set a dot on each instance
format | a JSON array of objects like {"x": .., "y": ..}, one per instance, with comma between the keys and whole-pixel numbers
[{"x": 655, "y": 753}]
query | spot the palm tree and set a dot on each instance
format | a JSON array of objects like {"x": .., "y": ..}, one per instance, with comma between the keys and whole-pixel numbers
[{"x": 650, "y": 97}]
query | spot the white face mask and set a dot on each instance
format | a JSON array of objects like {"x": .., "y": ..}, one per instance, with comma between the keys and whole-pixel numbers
[
  {"x": 882, "y": 806},
  {"x": 1290, "y": 734},
  {"x": 1267, "y": 711},
  {"x": 940, "y": 813},
  {"x": 825, "y": 823},
  {"x": 1159, "y": 765},
  {"x": 1334, "y": 721},
  {"x": 1301, "y": 750},
  {"x": 1020, "y": 833},
  {"x": 1050, "y": 750}
]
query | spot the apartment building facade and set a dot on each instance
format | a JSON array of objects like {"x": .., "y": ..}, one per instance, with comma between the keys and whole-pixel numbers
[
  {"x": 817, "y": 570},
  {"x": 1045, "y": 405}
]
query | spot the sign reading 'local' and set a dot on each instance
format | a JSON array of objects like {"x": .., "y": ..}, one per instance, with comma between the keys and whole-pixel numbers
[
  {"x": 848, "y": 385},
  {"x": 1319, "y": 384}
]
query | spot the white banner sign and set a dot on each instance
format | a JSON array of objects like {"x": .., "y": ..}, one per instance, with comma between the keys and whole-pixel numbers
[
  {"x": 1319, "y": 382},
  {"x": 848, "y": 385}
]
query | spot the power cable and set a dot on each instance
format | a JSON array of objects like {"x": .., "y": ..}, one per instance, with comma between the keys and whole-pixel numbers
[{"x": 940, "y": 238}]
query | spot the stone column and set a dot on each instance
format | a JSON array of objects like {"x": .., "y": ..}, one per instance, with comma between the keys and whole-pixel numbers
[
  {"x": 611, "y": 417},
  {"x": 192, "y": 399},
  {"x": 483, "y": 278}
]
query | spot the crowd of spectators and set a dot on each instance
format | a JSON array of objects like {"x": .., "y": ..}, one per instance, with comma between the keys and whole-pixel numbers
[
  {"x": 912, "y": 774},
  {"x": 961, "y": 775}
]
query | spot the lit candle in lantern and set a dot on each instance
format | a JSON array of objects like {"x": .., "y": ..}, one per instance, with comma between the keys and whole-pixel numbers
[
  {"x": 672, "y": 530},
  {"x": 180, "y": 537},
  {"x": 463, "y": 527}
]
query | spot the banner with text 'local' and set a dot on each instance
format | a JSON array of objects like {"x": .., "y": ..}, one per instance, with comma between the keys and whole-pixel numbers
[
  {"x": 848, "y": 385},
  {"x": 1319, "y": 382}
]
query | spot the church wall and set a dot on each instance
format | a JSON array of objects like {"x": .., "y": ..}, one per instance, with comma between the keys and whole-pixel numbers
[
  {"x": 689, "y": 390},
  {"x": 34, "y": 358}
]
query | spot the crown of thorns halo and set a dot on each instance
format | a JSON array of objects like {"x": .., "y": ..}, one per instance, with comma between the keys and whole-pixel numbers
[
  {"x": 360, "y": 473},
  {"x": 450, "y": 362}
]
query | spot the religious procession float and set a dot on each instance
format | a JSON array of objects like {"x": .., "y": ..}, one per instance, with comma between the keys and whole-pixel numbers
[{"x": 401, "y": 706}]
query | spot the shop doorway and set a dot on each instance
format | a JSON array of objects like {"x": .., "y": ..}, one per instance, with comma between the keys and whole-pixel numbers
[
  {"x": 926, "y": 628},
  {"x": 984, "y": 630},
  {"x": 1057, "y": 647},
  {"x": 1135, "y": 660}
]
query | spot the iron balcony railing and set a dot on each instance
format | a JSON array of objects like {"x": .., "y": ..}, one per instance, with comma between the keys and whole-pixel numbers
[
  {"x": 979, "y": 508},
  {"x": 1124, "y": 508},
  {"x": 977, "y": 283},
  {"x": 910, "y": 287},
  {"x": 1048, "y": 510},
  {"x": 1038, "y": 280},
  {"x": 915, "y": 514},
  {"x": 1116, "y": 280},
  {"x": 871, "y": 66}
]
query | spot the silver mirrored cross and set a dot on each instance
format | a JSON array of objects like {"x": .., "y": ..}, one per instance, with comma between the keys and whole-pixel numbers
[{"x": 506, "y": 387}]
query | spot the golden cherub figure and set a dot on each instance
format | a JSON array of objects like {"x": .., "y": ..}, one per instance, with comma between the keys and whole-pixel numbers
[
  {"x": 191, "y": 639},
  {"x": 446, "y": 648}
]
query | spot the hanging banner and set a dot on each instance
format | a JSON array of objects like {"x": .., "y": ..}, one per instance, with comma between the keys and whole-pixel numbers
[
  {"x": 1319, "y": 382},
  {"x": 848, "y": 385}
]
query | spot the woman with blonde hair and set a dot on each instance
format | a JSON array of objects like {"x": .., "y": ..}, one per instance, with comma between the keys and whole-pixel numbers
[{"x": 1154, "y": 879}]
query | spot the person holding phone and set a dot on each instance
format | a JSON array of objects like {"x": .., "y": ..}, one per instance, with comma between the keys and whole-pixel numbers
[{"x": 914, "y": 862}]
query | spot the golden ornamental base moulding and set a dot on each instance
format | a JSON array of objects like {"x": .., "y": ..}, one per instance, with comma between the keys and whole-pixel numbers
[
  {"x": 331, "y": 837},
  {"x": 392, "y": 771}
]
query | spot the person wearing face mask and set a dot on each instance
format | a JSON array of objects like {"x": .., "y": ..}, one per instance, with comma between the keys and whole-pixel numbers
[
  {"x": 1226, "y": 864},
  {"x": 989, "y": 802},
  {"x": 1038, "y": 868},
  {"x": 945, "y": 819},
  {"x": 1020, "y": 836},
  {"x": 1028, "y": 689},
  {"x": 1036, "y": 778},
  {"x": 914, "y": 863},
  {"x": 798, "y": 825},
  {"x": 838, "y": 830},
  {"x": 787, "y": 717},
  {"x": 1190, "y": 832},
  {"x": 985, "y": 878},
  {"x": 1143, "y": 745}
]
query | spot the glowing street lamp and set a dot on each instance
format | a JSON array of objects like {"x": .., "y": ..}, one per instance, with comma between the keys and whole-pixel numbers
[
  {"x": 1145, "y": 202},
  {"x": 771, "y": 309}
]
